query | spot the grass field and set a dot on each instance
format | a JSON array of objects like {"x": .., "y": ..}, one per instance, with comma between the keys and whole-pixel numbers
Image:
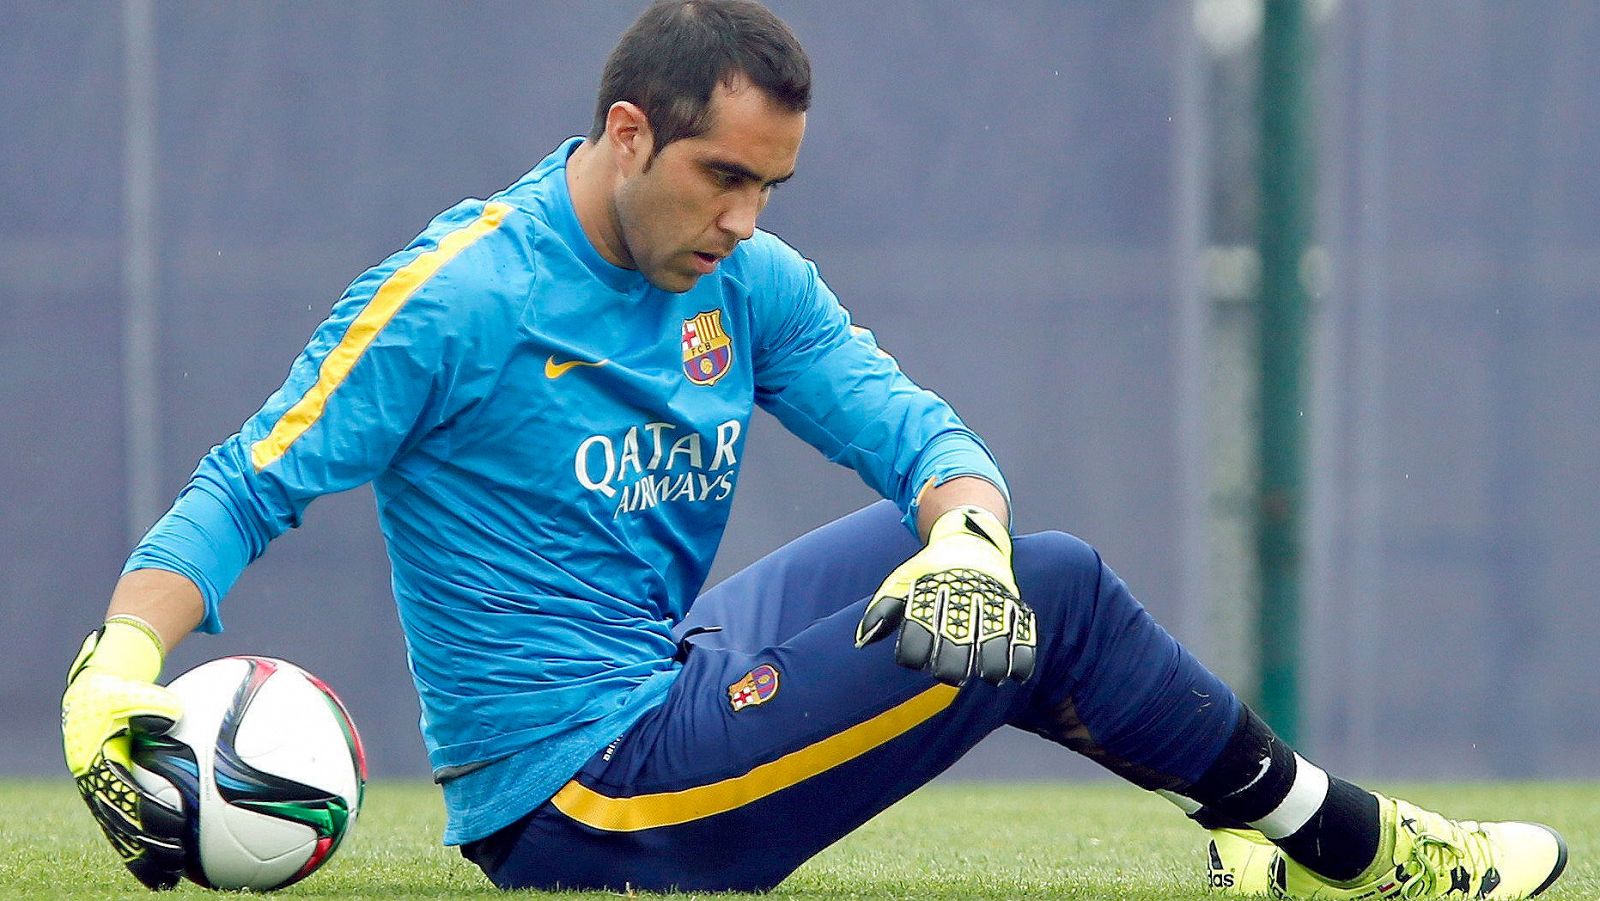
[{"x": 1100, "y": 841}]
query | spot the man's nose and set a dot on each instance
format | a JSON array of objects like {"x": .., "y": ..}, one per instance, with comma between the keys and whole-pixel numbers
[{"x": 739, "y": 219}]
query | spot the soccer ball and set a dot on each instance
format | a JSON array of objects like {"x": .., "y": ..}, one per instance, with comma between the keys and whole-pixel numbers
[{"x": 265, "y": 766}]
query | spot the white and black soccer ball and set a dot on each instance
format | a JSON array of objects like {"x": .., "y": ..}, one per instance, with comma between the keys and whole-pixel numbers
[{"x": 266, "y": 767}]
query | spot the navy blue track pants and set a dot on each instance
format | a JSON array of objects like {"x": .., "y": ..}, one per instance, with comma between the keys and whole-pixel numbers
[{"x": 780, "y": 736}]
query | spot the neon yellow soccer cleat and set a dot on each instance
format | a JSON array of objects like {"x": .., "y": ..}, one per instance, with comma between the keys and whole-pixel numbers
[
  {"x": 1239, "y": 862},
  {"x": 1433, "y": 857}
]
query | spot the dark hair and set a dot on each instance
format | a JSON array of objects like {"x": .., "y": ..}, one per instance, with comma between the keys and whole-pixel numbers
[{"x": 668, "y": 62}]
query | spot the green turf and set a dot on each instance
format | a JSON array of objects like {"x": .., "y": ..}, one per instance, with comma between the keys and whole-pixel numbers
[{"x": 1101, "y": 841}]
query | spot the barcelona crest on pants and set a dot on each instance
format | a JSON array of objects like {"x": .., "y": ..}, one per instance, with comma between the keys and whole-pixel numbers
[
  {"x": 707, "y": 350},
  {"x": 757, "y": 687}
]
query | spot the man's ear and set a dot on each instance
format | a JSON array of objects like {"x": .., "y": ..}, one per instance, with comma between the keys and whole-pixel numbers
[{"x": 628, "y": 130}]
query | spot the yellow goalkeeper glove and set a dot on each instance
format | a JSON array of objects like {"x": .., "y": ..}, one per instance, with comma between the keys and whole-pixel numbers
[
  {"x": 110, "y": 690},
  {"x": 956, "y": 605}
]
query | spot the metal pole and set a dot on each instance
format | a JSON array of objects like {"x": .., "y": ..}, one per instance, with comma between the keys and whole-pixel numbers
[
  {"x": 1285, "y": 157},
  {"x": 1367, "y": 508},
  {"x": 1191, "y": 162},
  {"x": 139, "y": 352}
]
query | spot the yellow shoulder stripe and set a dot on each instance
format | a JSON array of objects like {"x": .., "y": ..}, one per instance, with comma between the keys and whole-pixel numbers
[
  {"x": 385, "y": 303},
  {"x": 670, "y": 808}
]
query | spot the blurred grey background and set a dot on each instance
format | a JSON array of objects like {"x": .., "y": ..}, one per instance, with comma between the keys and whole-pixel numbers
[{"x": 1044, "y": 210}]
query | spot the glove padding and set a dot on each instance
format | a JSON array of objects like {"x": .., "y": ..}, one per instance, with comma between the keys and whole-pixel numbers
[
  {"x": 110, "y": 690},
  {"x": 956, "y": 605}
]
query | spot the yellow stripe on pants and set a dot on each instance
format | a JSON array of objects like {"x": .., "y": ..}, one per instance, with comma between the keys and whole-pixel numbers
[{"x": 671, "y": 808}]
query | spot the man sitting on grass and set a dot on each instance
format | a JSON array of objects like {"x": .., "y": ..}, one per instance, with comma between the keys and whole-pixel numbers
[{"x": 549, "y": 391}]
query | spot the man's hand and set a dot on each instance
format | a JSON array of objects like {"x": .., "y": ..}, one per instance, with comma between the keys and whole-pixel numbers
[
  {"x": 956, "y": 604},
  {"x": 110, "y": 689}
]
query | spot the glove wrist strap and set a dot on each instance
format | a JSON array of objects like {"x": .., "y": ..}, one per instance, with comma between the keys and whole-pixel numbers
[
  {"x": 129, "y": 647},
  {"x": 973, "y": 521}
]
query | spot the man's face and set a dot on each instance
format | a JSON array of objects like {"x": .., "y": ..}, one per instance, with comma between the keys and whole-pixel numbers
[{"x": 699, "y": 197}]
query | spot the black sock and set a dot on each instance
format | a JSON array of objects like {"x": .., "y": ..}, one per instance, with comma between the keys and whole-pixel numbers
[
  {"x": 1250, "y": 779},
  {"x": 1340, "y": 840},
  {"x": 1328, "y": 825}
]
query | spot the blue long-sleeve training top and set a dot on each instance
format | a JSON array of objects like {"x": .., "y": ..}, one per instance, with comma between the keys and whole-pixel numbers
[{"x": 554, "y": 444}]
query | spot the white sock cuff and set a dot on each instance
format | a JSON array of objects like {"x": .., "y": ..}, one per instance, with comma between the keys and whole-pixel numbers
[{"x": 1305, "y": 797}]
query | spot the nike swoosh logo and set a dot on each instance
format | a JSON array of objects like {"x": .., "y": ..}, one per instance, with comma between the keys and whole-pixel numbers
[
  {"x": 1266, "y": 764},
  {"x": 974, "y": 528},
  {"x": 554, "y": 370}
]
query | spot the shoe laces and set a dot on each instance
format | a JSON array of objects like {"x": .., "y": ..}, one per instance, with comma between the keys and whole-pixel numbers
[{"x": 1436, "y": 856}]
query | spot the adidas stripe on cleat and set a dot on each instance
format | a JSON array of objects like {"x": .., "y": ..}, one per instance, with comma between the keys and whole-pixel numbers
[{"x": 1239, "y": 862}]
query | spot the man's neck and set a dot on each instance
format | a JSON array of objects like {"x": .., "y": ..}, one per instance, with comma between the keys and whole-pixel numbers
[{"x": 589, "y": 184}]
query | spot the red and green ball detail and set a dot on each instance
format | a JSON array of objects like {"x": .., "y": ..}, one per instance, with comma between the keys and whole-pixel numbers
[{"x": 326, "y": 814}]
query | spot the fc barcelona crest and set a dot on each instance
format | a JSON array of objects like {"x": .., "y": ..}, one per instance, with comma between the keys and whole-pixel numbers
[
  {"x": 707, "y": 350},
  {"x": 757, "y": 687}
]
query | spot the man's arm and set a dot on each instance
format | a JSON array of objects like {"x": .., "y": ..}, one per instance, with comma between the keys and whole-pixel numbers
[
  {"x": 961, "y": 491},
  {"x": 378, "y": 373},
  {"x": 955, "y": 602},
  {"x": 110, "y": 688},
  {"x": 170, "y": 603},
  {"x": 830, "y": 384}
]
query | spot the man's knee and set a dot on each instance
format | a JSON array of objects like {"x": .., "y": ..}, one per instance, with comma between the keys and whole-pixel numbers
[{"x": 1054, "y": 567}]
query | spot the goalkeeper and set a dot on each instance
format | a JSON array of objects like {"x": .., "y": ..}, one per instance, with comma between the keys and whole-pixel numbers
[{"x": 549, "y": 391}]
